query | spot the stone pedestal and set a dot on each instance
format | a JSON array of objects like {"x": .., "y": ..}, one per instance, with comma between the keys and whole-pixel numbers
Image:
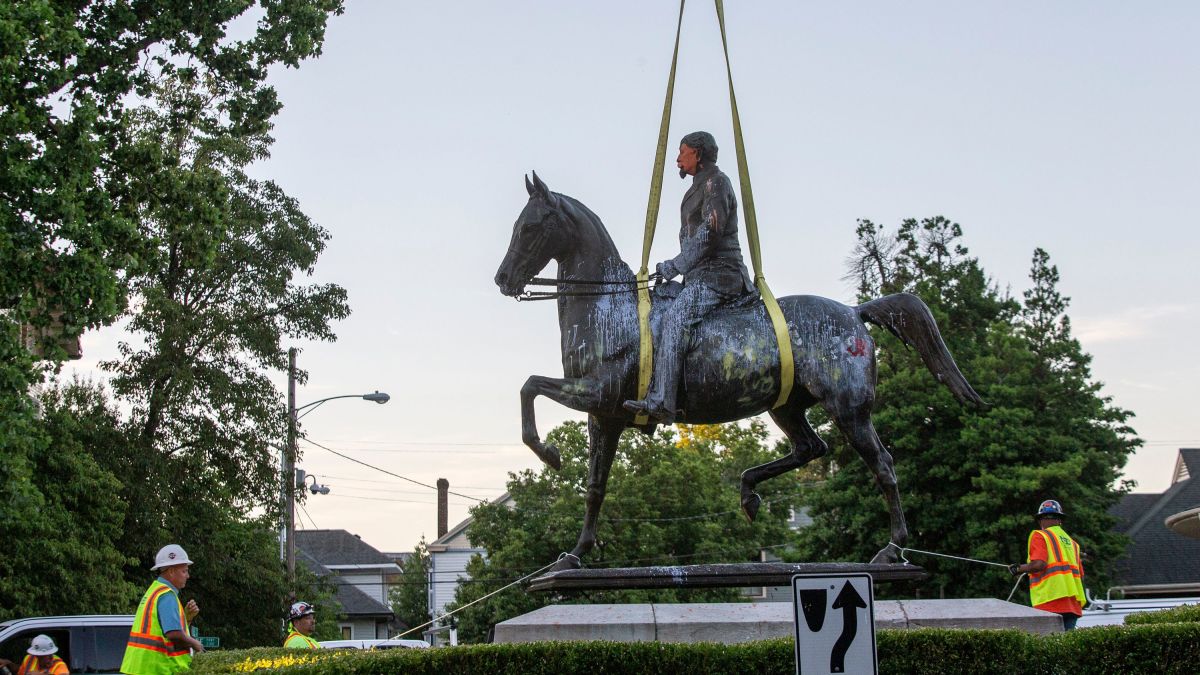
[
  {"x": 743, "y": 622},
  {"x": 724, "y": 575}
]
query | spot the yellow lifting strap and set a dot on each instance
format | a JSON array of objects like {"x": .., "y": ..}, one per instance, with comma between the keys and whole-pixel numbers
[
  {"x": 646, "y": 360},
  {"x": 787, "y": 366}
]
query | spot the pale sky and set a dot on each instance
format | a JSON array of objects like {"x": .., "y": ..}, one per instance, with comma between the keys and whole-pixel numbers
[{"x": 1070, "y": 126}]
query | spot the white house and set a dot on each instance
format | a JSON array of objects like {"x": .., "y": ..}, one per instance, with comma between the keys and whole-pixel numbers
[{"x": 448, "y": 557}]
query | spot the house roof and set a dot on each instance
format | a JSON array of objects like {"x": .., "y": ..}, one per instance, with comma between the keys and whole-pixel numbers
[
  {"x": 455, "y": 537},
  {"x": 333, "y": 548},
  {"x": 1157, "y": 555},
  {"x": 355, "y": 603}
]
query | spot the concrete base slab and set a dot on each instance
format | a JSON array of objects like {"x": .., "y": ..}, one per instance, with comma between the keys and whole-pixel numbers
[{"x": 742, "y": 622}]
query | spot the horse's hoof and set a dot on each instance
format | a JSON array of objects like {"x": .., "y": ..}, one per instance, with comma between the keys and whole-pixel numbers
[
  {"x": 885, "y": 557},
  {"x": 566, "y": 562},
  {"x": 750, "y": 504},
  {"x": 550, "y": 455}
]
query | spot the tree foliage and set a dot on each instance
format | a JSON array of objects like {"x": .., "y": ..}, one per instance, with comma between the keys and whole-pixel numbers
[
  {"x": 971, "y": 479},
  {"x": 667, "y": 503},
  {"x": 410, "y": 598},
  {"x": 125, "y": 132}
]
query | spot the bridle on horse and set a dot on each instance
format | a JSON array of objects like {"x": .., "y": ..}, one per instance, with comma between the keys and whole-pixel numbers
[
  {"x": 540, "y": 239},
  {"x": 632, "y": 287}
]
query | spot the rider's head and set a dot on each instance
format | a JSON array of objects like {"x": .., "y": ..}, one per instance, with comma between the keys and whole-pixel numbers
[{"x": 705, "y": 147}]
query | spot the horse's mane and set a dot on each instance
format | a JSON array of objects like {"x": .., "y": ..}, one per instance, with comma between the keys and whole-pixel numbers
[{"x": 581, "y": 213}]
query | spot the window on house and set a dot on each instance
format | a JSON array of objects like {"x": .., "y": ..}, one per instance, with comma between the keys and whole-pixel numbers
[{"x": 347, "y": 633}]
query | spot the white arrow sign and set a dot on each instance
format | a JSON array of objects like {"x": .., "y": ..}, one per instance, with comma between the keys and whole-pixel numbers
[{"x": 835, "y": 624}]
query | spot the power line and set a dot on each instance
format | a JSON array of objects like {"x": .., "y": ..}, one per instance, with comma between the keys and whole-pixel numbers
[
  {"x": 390, "y": 473},
  {"x": 388, "y": 482},
  {"x": 385, "y": 499},
  {"x": 359, "y": 488},
  {"x": 310, "y": 518}
]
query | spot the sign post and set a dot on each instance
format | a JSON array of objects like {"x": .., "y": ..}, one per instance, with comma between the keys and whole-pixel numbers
[
  {"x": 834, "y": 623},
  {"x": 210, "y": 642}
]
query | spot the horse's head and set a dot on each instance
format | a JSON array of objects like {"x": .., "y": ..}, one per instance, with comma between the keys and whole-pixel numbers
[{"x": 537, "y": 237}]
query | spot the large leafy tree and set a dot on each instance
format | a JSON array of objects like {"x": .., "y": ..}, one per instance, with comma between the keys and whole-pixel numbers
[
  {"x": 669, "y": 502},
  {"x": 126, "y": 131},
  {"x": 219, "y": 285},
  {"x": 971, "y": 478}
]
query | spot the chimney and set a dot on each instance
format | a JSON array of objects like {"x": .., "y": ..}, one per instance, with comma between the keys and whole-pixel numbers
[{"x": 443, "y": 486}]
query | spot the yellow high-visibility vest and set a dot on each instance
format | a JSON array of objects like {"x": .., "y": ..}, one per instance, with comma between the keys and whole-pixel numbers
[
  {"x": 148, "y": 651},
  {"x": 1063, "y": 575}
]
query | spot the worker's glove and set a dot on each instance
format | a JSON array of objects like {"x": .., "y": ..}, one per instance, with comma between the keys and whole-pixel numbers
[
  {"x": 666, "y": 270},
  {"x": 1014, "y": 569}
]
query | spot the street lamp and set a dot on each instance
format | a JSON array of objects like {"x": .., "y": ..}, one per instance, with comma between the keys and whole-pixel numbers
[{"x": 289, "y": 456}]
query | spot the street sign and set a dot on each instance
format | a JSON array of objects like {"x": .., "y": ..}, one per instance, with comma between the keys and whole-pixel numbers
[
  {"x": 210, "y": 642},
  {"x": 834, "y": 619}
]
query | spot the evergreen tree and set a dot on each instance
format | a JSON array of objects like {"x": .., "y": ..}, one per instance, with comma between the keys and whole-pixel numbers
[
  {"x": 971, "y": 479},
  {"x": 668, "y": 503},
  {"x": 410, "y": 598}
]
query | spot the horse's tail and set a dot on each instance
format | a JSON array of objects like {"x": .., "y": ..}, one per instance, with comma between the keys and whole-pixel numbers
[{"x": 908, "y": 318}]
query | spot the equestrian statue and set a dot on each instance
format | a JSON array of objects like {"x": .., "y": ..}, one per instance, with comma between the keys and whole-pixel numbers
[{"x": 716, "y": 358}]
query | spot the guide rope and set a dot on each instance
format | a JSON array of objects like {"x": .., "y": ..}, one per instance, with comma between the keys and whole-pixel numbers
[
  {"x": 903, "y": 550},
  {"x": 456, "y": 610}
]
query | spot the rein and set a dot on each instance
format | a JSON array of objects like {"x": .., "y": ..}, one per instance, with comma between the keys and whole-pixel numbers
[{"x": 633, "y": 287}]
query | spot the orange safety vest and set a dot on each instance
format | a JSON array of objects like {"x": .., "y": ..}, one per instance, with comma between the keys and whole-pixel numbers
[
  {"x": 57, "y": 666},
  {"x": 1063, "y": 575}
]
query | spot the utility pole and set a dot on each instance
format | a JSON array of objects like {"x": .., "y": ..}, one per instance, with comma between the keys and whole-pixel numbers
[{"x": 289, "y": 471}]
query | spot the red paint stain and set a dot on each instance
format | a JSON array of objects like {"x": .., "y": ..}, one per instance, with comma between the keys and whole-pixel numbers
[{"x": 859, "y": 348}]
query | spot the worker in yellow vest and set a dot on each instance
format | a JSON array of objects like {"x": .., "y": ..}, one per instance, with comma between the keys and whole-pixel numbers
[
  {"x": 40, "y": 659},
  {"x": 302, "y": 621},
  {"x": 160, "y": 642},
  {"x": 1055, "y": 567}
]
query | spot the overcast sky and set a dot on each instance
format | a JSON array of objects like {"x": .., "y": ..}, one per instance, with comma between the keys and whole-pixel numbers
[{"x": 1070, "y": 126}]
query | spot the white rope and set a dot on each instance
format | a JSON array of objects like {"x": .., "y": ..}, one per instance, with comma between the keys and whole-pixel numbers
[
  {"x": 499, "y": 590},
  {"x": 902, "y": 550},
  {"x": 940, "y": 555}
]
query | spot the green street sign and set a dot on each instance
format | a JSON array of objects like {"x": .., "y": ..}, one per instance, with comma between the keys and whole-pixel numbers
[{"x": 210, "y": 642}]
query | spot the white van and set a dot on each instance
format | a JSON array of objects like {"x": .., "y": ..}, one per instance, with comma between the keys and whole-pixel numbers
[
  {"x": 393, "y": 643},
  {"x": 88, "y": 644}
]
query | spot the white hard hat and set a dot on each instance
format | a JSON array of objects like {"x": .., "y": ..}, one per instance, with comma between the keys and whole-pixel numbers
[
  {"x": 42, "y": 645},
  {"x": 171, "y": 554}
]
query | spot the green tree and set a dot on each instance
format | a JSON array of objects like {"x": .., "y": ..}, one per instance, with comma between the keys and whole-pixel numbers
[
  {"x": 668, "y": 503},
  {"x": 970, "y": 479},
  {"x": 77, "y": 180},
  {"x": 410, "y": 598},
  {"x": 219, "y": 286},
  {"x": 60, "y": 555}
]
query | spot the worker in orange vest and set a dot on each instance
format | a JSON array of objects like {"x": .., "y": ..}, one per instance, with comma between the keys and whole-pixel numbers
[
  {"x": 1055, "y": 567},
  {"x": 40, "y": 659}
]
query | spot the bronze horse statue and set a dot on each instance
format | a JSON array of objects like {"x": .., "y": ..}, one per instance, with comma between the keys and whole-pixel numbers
[{"x": 732, "y": 364}]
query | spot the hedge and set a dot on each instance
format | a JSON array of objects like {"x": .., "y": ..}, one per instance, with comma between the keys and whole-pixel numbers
[
  {"x": 1180, "y": 614},
  {"x": 1119, "y": 650}
]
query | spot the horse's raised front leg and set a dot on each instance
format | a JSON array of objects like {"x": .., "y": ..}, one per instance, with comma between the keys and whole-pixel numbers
[
  {"x": 603, "y": 436},
  {"x": 578, "y": 394},
  {"x": 806, "y": 446}
]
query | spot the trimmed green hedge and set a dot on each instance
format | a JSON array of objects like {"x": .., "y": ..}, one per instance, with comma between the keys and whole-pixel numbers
[
  {"x": 1119, "y": 650},
  {"x": 1180, "y": 614}
]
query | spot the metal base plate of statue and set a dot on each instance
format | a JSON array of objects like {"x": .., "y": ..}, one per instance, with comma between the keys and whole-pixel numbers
[
  {"x": 727, "y": 575},
  {"x": 732, "y": 365}
]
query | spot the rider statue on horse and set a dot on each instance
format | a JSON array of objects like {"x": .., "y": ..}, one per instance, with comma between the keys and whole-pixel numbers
[
  {"x": 718, "y": 357},
  {"x": 710, "y": 260}
]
